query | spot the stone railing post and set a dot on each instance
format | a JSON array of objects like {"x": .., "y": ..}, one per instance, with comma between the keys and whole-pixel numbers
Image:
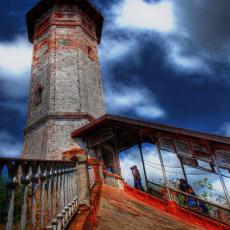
[
  {"x": 82, "y": 180},
  {"x": 96, "y": 163}
]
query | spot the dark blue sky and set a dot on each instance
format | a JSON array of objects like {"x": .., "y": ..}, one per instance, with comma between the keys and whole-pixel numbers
[{"x": 165, "y": 61}]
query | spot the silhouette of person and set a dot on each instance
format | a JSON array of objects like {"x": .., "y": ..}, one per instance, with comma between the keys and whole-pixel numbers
[
  {"x": 191, "y": 201},
  {"x": 185, "y": 187},
  {"x": 137, "y": 178}
]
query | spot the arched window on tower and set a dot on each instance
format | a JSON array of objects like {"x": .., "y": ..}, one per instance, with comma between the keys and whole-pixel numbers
[
  {"x": 38, "y": 95},
  {"x": 90, "y": 52}
]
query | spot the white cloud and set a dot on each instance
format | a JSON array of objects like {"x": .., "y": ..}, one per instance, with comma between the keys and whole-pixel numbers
[
  {"x": 225, "y": 129},
  {"x": 185, "y": 61},
  {"x": 138, "y": 14},
  {"x": 201, "y": 36},
  {"x": 159, "y": 17},
  {"x": 149, "y": 111},
  {"x": 15, "y": 58},
  {"x": 15, "y": 66},
  {"x": 139, "y": 100},
  {"x": 197, "y": 33},
  {"x": 112, "y": 49},
  {"x": 218, "y": 186},
  {"x": 9, "y": 147}
]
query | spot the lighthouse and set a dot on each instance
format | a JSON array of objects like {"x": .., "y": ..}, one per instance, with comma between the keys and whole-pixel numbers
[{"x": 65, "y": 87}]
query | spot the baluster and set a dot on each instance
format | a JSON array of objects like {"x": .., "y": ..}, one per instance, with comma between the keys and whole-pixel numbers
[
  {"x": 63, "y": 187},
  {"x": 66, "y": 186},
  {"x": 38, "y": 196},
  {"x": 73, "y": 182},
  {"x": 68, "y": 178},
  {"x": 59, "y": 221},
  {"x": 54, "y": 192},
  {"x": 25, "y": 180},
  {"x": 63, "y": 194},
  {"x": 58, "y": 190},
  {"x": 43, "y": 177},
  {"x": 70, "y": 191},
  {"x": 54, "y": 224},
  {"x": 72, "y": 187},
  {"x": 51, "y": 191},
  {"x": 10, "y": 213},
  {"x": 59, "y": 184},
  {"x": 48, "y": 195},
  {"x": 34, "y": 180},
  {"x": 68, "y": 206},
  {"x": 67, "y": 192},
  {"x": 12, "y": 183},
  {"x": 59, "y": 196},
  {"x": 75, "y": 186}
]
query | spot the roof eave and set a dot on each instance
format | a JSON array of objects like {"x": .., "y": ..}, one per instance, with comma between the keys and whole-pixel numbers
[{"x": 165, "y": 128}]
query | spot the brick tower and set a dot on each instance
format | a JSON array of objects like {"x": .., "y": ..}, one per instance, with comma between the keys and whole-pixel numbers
[{"x": 65, "y": 87}]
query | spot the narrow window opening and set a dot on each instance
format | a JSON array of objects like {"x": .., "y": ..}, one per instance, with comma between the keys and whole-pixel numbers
[
  {"x": 38, "y": 95},
  {"x": 90, "y": 52}
]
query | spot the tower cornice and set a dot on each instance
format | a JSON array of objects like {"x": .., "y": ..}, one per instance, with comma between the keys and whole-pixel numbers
[
  {"x": 59, "y": 116},
  {"x": 44, "y": 5}
]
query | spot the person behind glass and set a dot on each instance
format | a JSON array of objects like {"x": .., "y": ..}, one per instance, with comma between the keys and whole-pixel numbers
[
  {"x": 191, "y": 201},
  {"x": 109, "y": 168},
  {"x": 185, "y": 187},
  {"x": 137, "y": 178}
]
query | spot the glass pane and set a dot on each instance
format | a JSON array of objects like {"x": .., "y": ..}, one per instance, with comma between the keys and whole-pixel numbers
[{"x": 128, "y": 159}]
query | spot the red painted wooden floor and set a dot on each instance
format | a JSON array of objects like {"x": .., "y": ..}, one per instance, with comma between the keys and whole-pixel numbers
[{"x": 119, "y": 210}]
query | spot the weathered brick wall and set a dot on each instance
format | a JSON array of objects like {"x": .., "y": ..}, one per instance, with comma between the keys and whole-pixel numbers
[
  {"x": 59, "y": 137},
  {"x": 35, "y": 143},
  {"x": 39, "y": 77},
  {"x": 65, "y": 79}
]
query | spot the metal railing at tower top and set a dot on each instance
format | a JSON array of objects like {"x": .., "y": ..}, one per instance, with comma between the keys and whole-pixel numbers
[
  {"x": 36, "y": 194},
  {"x": 92, "y": 2},
  {"x": 95, "y": 6}
]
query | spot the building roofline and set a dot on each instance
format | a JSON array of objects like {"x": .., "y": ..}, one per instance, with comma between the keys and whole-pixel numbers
[{"x": 148, "y": 125}]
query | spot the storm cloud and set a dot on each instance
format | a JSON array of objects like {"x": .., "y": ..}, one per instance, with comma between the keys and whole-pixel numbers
[
  {"x": 194, "y": 34},
  {"x": 161, "y": 60},
  {"x": 202, "y": 34}
]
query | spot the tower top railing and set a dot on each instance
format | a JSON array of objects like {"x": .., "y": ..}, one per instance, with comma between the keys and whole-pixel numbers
[{"x": 95, "y": 6}]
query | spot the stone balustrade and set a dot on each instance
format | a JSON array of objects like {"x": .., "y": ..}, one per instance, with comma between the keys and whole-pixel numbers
[{"x": 39, "y": 194}]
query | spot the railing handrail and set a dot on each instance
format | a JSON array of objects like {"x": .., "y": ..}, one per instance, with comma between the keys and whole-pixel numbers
[
  {"x": 113, "y": 175},
  {"x": 32, "y": 160},
  {"x": 195, "y": 197}
]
